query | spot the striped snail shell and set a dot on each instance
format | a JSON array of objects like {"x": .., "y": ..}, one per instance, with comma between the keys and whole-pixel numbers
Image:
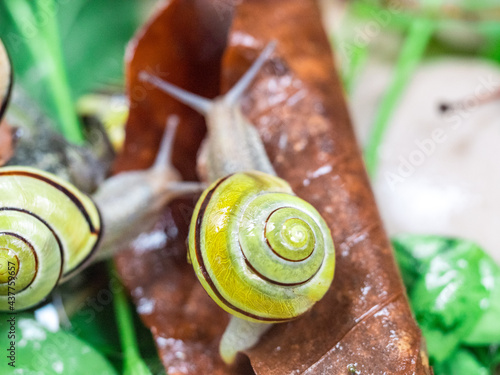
[
  {"x": 48, "y": 230},
  {"x": 262, "y": 253},
  {"x": 5, "y": 78}
]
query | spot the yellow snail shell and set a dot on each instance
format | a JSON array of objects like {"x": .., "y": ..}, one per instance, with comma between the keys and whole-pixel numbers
[{"x": 48, "y": 230}]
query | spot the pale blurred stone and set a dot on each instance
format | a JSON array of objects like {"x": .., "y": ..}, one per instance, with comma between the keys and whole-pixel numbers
[{"x": 439, "y": 172}]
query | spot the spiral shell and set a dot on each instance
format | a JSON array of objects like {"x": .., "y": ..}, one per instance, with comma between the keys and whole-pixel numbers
[
  {"x": 48, "y": 229},
  {"x": 5, "y": 78},
  {"x": 260, "y": 252}
]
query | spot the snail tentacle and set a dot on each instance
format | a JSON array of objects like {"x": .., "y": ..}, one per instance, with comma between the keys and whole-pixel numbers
[
  {"x": 234, "y": 94},
  {"x": 203, "y": 105},
  {"x": 196, "y": 102},
  {"x": 163, "y": 159},
  {"x": 234, "y": 143},
  {"x": 186, "y": 187}
]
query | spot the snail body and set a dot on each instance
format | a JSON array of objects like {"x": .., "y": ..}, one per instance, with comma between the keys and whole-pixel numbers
[
  {"x": 131, "y": 202},
  {"x": 263, "y": 254}
]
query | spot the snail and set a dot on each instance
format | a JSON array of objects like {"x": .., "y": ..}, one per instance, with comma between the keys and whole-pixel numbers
[
  {"x": 131, "y": 202},
  {"x": 38, "y": 241},
  {"x": 50, "y": 231},
  {"x": 263, "y": 254},
  {"x": 5, "y": 78}
]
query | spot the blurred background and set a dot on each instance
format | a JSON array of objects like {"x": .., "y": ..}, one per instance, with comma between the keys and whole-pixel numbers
[{"x": 423, "y": 86}]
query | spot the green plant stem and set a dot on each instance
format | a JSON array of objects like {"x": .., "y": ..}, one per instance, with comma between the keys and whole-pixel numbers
[
  {"x": 45, "y": 48},
  {"x": 69, "y": 124},
  {"x": 357, "y": 60},
  {"x": 357, "y": 54},
  {"x": 413, "y": 49},
  {"x": 21, "y": 10},
  {"x": 133, "y": 363}
]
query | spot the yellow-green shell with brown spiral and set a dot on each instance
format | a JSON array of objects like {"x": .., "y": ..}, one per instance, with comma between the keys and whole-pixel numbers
[
  {"x": 260, "y": 252},
  {"x": 48, "y": 230}
]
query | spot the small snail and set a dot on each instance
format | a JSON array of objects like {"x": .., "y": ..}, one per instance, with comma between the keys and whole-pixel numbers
[
  {"x": 5, "y": 78},
  {"x": 263, "y": 254},
  {"x": 131, "y": 202},
  {"x": 49, "y": 230}
]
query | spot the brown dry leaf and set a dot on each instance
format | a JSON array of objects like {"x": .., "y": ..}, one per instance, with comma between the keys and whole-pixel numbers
[
  {"x": 185, "y": 322},
  {"x": 183, "y": 42},
  {"x": 364, "y": 324}
]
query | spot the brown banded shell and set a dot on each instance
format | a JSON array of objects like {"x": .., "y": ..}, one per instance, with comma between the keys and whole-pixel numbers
[{"x": 5, "y": 78}]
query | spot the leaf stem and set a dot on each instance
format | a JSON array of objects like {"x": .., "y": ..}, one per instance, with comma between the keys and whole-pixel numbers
[
  {"x": 133, "y": 363},
  {"x": 420, "y": 33}
]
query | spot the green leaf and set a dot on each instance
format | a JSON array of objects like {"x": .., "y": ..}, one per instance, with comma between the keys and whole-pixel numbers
[
  {"x": 109, "y": 323},
  {"x": 462, "y": 362},
  {"x": 487, "y": 329},
  {"x": 447, "y": 300},
  {"x": 133, "y": 362},
  {"x": 95, "y": 35},
  {"x": 413, "y": 254},
  {"x": 62, "y": 49},
  {"x": 454, "y": 291},
  {"x": 95, "y": 323},
  {"x": 39, "y": 351}
]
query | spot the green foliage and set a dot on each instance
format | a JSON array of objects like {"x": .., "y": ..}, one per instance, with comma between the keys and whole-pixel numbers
[
  {"x": 133, "y": 362},
  {"x": 95, "y": 324},
  {"x": 94, "y": 40},
  {"x": 61, "y": 49},
  {"x": 454, "y": 290},
  {"x": 109, "y": 323},
  {"x": 40, "y": 351}
]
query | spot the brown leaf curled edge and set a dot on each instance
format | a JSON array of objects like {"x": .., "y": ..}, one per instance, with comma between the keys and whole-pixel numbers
[{"x": 363, "y": 325}]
